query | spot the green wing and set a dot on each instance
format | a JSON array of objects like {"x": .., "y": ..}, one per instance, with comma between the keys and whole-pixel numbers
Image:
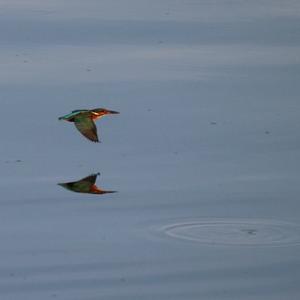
[
  {"x": 86, "y": 127},
  {"x": 69, "y": 116},
  {"x": 79, "y": 110}
]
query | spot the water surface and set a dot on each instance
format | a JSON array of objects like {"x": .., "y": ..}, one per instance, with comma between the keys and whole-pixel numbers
[{"x": 208, "y": 131}]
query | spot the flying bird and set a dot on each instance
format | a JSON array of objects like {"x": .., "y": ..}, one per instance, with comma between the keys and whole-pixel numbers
[
  {"x": 85, "y": 185},
  {"x": 84, "y": 121}
]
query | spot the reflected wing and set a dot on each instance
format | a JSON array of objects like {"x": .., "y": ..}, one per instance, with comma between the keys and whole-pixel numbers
[
  {"x": 87, "y": 127},
  {"x": 83, "y": 185},
  {"x": 77, "y": 186},
  {"x": 91, "y": 179}
]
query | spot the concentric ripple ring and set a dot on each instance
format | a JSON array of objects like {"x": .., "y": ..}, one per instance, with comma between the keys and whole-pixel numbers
[{"x": 247, "y": 232}]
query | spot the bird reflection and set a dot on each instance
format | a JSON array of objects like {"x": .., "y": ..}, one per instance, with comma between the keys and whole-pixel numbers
[{"x": 85, "y": 185}]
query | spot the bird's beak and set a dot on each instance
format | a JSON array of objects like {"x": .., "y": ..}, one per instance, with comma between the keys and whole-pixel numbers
[{"x": 112, "y": 112}]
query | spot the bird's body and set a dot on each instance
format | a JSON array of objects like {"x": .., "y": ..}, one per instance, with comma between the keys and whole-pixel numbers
[
  {"x": 85, "y": 185},
  {"x": 84, "y": 121}
]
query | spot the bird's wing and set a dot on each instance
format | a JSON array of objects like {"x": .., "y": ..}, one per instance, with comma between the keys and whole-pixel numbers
[
  {"x": 69, "y": 116},
  {"x": 87, "y": 127},
  {"x": 79, "y": 110}
]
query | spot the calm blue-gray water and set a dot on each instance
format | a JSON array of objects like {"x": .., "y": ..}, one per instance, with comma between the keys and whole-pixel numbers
[{"x": 205, "y": 153}]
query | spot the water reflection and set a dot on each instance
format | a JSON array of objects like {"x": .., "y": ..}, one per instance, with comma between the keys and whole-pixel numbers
[{"x": 85, "y": 185}]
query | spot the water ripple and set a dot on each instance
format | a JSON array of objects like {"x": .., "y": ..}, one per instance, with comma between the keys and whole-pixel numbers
[{"x": 247, "y": 232}]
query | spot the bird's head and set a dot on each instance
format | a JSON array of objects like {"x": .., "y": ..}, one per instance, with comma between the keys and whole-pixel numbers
[{"x": 99, "y": 112}]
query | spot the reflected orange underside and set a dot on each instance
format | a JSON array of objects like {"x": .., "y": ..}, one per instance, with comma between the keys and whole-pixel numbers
[{"x": 95, "y": 190}]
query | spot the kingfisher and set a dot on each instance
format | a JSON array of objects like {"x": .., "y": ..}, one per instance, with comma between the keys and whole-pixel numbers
[
  {"x": 85, "y": 185},
  {"x": 84, "y": 121}
]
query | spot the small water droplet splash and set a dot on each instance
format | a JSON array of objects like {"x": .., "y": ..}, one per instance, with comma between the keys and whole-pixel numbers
[{"x": 239, "y": 232}]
